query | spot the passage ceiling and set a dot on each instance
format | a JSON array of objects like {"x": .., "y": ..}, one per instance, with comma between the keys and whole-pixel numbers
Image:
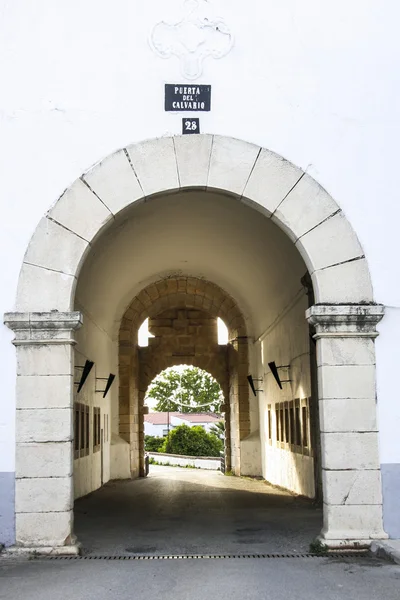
[{"x": 204, "y": 234}]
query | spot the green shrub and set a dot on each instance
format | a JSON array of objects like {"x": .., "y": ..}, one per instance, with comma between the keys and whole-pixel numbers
[
  {"x": 153, "y": 443},
  {"x": 191, "y": 441}
]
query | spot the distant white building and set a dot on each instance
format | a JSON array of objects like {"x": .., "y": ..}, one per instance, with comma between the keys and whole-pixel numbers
[{"x": 156, "y": 423}]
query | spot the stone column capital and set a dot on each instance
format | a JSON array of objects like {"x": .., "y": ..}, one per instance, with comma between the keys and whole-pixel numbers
[
  {"x": 351, "y": 320},
  {"x": 42, "y": 328}
]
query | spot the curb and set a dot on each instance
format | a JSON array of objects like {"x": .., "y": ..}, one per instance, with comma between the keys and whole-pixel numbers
[{"x": 386, "y": 551}]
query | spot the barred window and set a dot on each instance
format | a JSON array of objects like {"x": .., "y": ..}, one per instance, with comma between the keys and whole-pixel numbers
[
  {"x": 81, "y": 430},
  {"x": 292, "y": 425},
  {"x": 96, "y": 429}
]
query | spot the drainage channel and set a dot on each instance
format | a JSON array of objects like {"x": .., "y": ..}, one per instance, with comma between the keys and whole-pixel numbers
[{"x": 355, "y": 554}]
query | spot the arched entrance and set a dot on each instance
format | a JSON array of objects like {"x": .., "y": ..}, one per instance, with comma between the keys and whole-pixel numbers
[
  {"x": 183, "y": 315},
  {"x": 344, "y": 317}
]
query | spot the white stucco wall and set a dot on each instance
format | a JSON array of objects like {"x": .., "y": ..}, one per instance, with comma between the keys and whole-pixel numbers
[
  {"x": 178, "y": 421},
  {"x": 286, "y": 342},
  {"x": 94, "y": 344},
  {"x": 315, "y": 82},
  {"x": 158, "y": 430},
  {"x": 153, "y": 429},
  {"x": 200, "y": 462}
]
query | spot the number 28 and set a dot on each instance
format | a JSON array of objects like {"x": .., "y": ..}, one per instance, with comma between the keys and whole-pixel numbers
[{"x": 190, "y": 125}]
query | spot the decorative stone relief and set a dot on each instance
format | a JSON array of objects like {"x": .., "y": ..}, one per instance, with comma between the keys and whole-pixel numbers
[{"x": 198, "y": 35}]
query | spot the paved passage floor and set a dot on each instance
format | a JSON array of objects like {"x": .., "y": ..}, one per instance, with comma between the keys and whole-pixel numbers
[
  {"x": 178, "y": 511},
  {"x": 189, "y": 511}
]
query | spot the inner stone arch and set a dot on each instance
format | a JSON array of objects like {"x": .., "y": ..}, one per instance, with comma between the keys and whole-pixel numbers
[{"x": 183, "y": 314}]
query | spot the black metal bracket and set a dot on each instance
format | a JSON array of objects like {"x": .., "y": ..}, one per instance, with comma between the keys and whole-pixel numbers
[
  {"x": 110, "y": 380},
  {"x": 274, "y": 370},
  {"x": 251, "y": 381},
  {"x": 87, "y": 367}
]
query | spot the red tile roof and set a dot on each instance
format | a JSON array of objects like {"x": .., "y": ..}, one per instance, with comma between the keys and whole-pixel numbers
[{"x": 159, "y": 418}]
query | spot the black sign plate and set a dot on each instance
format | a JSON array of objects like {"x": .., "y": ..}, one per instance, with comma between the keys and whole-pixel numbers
[
  {"x": 184, "y": 97},
  {"x": 190, "y": 125}
]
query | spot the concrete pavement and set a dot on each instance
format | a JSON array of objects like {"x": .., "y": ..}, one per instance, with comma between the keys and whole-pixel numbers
[
  {"x": 178, "y": 511},
  {"x": 188, "y": 511},
  {"x": 235, "y": 579}
]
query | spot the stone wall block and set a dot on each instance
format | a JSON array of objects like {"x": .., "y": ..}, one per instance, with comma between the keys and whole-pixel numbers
[
  {"x": 231, "y": 164},
  {"x": 345, "y": 283},
  {"x": 44, "y": 495},
  {"x": 54, "y": 391},
  {"x": 145, "y": 299},
  {"x": 80, "y": 211},
  {"x": 44, "y": 460},
  {"x": 352, "y": 487},
  {"x": 154, "y": 162},
  {"x": 346, "y": 381},
  {"x": 270, "y": 181},
  {"x": 44, "y": 529},
  {"x": 115, "y": 182},
  {"x": 162, "y": 287},
  {"x": 193, "y": 158},
  {"x": 44, "y": 360},
  {"x": 56, "y": 290},
  {"x": 341, "y": 451},
  {"x": 152, "y": 291},
  {"x": 336, "y": 351},
  {"x": 354, "y": 414},
  {"x": 48, "y": 425},
  {"x": 54, "y": 247},
  {"x": 307, "y": 205},
  {"x": 332, "y": 242},
  {"x": 356, "y": 522}
]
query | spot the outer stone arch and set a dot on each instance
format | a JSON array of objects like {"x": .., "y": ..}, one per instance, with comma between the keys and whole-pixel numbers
[
  {"x": 253, "y": 175},
  {"x": 345, "y": 319}
]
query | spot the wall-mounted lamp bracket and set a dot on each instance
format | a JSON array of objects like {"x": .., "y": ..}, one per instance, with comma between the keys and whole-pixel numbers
[
  {"x": 110, "y": 380},
  {"x": 87, "y": 367},
  {"x": 274, "y": 370},
  {"x": 251, "y": 384}
]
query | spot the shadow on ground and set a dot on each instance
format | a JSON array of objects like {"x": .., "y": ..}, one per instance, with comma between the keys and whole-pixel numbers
[{"x": 185, "y": 511}]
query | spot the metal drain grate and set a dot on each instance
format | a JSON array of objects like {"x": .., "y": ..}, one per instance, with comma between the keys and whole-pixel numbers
[{"x": 357, "y": 554}]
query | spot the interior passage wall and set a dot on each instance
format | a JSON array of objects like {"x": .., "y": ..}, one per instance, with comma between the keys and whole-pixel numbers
[
  {"x": 93, "y": 414},
  {"x": 287, "y": 455}
]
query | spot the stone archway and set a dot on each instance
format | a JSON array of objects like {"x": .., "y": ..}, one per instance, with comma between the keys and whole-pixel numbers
[
  {"x": 138, "y": 367},
  {"x": 345, "y": 318}
]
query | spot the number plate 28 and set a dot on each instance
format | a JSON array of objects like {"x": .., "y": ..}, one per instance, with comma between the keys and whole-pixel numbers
[{"x": 190, "y": 125}]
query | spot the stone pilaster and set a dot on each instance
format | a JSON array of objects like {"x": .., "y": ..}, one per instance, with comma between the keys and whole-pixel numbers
[
  {"x": 44, "y": 429},
  {"x": 349, "y": 435}
]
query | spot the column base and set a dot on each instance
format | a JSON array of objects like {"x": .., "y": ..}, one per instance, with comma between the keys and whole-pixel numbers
[
  {"x": 72, "y": 550},
  {"x": 341, "y": 539}
]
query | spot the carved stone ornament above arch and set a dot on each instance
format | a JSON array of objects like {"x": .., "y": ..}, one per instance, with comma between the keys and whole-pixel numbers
[
  {"x": 270, "y": 184},
  {"x": 196, "y": 36}
]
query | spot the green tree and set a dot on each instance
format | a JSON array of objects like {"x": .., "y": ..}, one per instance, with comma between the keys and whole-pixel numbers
[
  {"x": 153, "y": 443},
  {"x": 192, "y": 441},
  {"x": 190, "y": 391},
  {"x": 218, "y": 429}
]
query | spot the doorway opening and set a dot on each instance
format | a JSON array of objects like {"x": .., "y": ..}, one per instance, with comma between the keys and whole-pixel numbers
[{"x": 184, "y": 419}]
